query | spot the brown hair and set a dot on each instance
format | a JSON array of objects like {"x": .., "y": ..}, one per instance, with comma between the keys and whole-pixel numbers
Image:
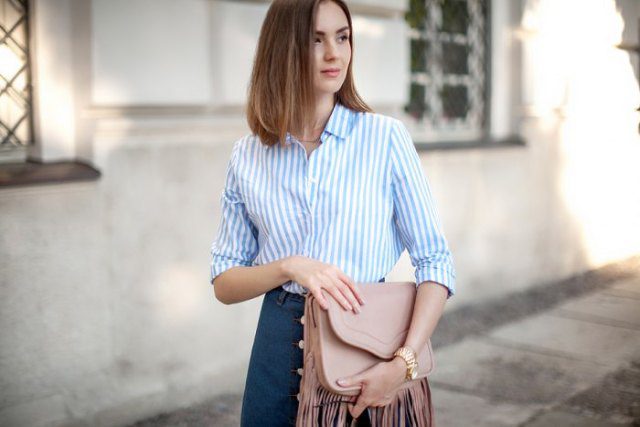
[{"x": 281, "y": 92}]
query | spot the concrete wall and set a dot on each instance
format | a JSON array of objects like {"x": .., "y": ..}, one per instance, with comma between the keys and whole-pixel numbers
[{"x": 105, "y": 304}]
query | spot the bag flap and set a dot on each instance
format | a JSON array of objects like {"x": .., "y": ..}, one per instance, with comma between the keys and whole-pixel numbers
[{"x": 383, "y": 323}]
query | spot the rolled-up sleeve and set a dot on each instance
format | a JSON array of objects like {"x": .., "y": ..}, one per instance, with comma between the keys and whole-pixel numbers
[
  {"x": 415, "y": 214},
  {"x": 236, "y": 240}
]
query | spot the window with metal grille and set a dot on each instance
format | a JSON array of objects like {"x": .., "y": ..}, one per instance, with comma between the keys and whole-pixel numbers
[
  {"x": 16, "y": 127},
  {"x": 449, "y": 45}
]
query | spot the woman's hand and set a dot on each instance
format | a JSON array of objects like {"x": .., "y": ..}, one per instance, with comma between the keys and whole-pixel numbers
[
  {"x": 316, "y": 275},
  {"x": 378, "y": 384}
]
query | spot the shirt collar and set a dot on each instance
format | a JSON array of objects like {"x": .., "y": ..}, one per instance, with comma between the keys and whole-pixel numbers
[{"x": 339, "y": 124}]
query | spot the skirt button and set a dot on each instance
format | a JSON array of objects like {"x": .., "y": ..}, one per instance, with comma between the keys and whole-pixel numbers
[
  {"x": 300, "y": 371},
  {"x": 301, "y": 343}
]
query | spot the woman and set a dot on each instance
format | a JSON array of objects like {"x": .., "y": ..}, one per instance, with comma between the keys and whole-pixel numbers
[{"x": 322, "y": 194}]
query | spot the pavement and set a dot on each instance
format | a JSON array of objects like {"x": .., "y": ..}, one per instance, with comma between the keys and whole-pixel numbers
[{"x": 563, "y": 354}]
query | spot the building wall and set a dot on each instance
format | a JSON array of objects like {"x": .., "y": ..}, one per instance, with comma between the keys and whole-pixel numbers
[{"x": 106, "y": 308}]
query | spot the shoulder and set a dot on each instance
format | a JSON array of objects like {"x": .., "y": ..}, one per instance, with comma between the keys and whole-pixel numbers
[
  {"x": 383, "y": 122},
  {"x": 388, "y": 129},
  {"x": 246, "y": 142},
  {"x": 245, "y": 147}
]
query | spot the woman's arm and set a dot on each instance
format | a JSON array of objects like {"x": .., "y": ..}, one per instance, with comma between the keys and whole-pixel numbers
[
  {"x": 242, "y": 283},
  {"x": 380, "y": 381},
  {"x": 427, "y": 310}
]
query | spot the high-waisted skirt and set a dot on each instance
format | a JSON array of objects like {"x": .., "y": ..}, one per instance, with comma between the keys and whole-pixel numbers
[{"x": 275, "y": 366}]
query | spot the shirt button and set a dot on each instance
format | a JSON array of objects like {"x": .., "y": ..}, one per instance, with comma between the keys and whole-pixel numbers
[
  {"x": 301, "y": 344},
  {"x": 300, "y": 371}
]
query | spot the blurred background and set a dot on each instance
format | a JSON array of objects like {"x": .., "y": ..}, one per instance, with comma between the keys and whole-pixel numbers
[{"x": 117, "y": 120}]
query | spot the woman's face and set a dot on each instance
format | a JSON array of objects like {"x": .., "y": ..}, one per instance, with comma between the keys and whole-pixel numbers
[{"x": 331, "y": 48}]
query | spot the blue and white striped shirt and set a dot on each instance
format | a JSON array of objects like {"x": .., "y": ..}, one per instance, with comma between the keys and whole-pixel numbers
[{"x": 357, "y": 202}]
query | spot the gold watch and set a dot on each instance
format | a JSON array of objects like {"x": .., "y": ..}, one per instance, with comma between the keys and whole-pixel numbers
[{"x": 409, "y": 357}]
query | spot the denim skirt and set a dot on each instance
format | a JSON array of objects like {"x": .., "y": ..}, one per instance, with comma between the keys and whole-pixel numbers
[{"x": 275, "y": 365}]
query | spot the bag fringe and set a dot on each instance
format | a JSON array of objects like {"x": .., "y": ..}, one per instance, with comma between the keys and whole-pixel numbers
[
  {"x": 412, "y": 402},
  {"x": 320, "y": 407}
]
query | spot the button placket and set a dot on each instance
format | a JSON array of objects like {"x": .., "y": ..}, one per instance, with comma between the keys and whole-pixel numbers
[
  {"x": 297, "y": 370},
  {"x": 312, "y": 172}
]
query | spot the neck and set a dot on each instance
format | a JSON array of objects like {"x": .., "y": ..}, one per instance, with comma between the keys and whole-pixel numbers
[{"x": 324, "y": 107}]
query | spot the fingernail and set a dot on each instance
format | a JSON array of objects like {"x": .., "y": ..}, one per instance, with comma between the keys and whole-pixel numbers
[
  {"x": 357, "y": 310},
  {"x": 341, "y": 381}
]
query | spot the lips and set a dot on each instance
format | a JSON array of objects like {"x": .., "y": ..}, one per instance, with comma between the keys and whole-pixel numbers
[{"x": 331, "y": 72}]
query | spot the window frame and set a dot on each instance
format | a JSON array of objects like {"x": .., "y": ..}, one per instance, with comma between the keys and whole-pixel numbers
[{"x": 501, "y": 49}]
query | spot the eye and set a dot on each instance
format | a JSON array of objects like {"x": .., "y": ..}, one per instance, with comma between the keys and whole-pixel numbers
[
  {"x": 344, "y": 38},
  {"x": 316, "y": 40}
]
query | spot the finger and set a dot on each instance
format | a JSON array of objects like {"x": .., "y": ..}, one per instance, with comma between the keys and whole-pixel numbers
[
  {"x": 350, "y": 408},
  {"x": 357, "y": 409},
  {"x": 352, "y": 285},
  {"x": 337, "y": 295},
  {"x": 324, "y": 304},
  {"x": 384, "y": 401},
  {"x": 348, "y": 294},
  {"x": 349, "y": 381}
]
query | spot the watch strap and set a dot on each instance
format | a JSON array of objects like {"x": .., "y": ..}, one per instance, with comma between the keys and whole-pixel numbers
[{"x": 410, "y": 358}]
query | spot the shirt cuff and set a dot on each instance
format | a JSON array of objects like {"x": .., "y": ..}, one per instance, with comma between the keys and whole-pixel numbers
[
  {"x": 220, "y": 265},
  {"x": 442, "y": 275}
]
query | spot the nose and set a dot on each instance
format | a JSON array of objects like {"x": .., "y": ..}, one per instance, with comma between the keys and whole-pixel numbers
[{"x": 329, "y": 51}]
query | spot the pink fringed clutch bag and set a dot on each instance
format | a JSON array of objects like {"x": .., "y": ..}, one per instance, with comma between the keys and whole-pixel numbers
[{"x": 340, "y": 343}]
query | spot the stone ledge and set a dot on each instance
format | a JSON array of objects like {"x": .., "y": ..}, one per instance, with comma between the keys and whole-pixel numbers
[
  {"x": 37, "y": 173},
  {"x": 511, "y": 141}
]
